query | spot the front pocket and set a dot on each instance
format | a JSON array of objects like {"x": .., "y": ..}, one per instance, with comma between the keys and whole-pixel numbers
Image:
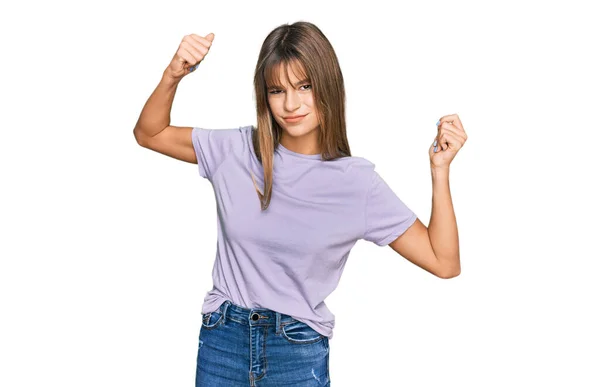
[
  {"x": 298, "y": 332},
  {"x": 211, "y": 320}
]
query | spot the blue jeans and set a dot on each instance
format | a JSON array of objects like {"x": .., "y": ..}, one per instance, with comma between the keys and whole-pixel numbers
[{"x": 259, "y": 347}]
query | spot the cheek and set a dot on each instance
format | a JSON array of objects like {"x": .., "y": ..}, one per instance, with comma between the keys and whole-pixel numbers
[
  {"x": 272, "y": 106},
  {"x": 308, "y": 101}
]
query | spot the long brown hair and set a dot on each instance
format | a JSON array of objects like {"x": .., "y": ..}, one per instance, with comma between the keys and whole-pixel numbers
[{"x": 303, "y": 46}]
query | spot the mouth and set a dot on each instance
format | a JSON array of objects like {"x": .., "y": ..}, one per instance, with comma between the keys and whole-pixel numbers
[{"x": 294, "y": 118}]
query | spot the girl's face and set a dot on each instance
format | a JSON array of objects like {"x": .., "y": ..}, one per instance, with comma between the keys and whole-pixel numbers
[{"x": 295, "y": 99}]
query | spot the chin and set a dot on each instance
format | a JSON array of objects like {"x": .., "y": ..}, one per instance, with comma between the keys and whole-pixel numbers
[{"x": 297, "y": 130}]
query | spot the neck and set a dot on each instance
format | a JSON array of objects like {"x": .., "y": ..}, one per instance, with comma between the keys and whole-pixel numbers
[{"x": 307, "y": 144}]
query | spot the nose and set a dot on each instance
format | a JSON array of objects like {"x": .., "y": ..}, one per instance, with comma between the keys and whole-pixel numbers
[{"x": 292, "y": 101}]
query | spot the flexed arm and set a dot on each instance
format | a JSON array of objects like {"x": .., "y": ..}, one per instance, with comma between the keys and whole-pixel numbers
[{"x": 153, "y": 129}]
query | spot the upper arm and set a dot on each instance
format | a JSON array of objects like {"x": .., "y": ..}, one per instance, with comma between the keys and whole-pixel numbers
[
  {"x": 173, "y": 141},
  {"x": 414, "y": 245}
]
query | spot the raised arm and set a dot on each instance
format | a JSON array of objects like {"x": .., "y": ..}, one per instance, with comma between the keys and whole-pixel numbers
[{"x": 153, "y": 129}]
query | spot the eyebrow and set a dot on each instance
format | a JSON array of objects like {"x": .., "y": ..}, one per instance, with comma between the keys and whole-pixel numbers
[{"x": 296, "y": 85}]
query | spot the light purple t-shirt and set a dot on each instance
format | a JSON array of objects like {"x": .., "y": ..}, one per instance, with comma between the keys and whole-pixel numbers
[{"x": 290, "y": 257}]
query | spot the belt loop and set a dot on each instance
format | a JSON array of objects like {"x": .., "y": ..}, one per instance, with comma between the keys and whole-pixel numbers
[
  {"x": 277, "y": 323},
  {"x": 225, "y": 306}
]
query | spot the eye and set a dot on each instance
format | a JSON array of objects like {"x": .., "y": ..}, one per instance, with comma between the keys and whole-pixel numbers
[{"x": 276, "y": 91}]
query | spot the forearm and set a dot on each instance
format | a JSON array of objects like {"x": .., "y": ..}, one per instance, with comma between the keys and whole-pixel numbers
[
  {"x": 443, "y": 231},
  {"x": 156, "y": 114}
]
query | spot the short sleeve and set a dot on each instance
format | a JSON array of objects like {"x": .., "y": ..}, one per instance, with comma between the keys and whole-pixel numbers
[
  {"x": 386, "y": 215},
  {"x": 212, "y": 147}
]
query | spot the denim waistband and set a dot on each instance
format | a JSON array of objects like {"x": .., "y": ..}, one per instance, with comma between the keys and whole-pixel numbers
[{"x": 253, "y": 316}]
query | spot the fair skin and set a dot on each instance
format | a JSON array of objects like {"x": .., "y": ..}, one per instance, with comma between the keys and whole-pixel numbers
[
  {"x": 295, "y": 98},
  {"x": 436, "y": 248}
]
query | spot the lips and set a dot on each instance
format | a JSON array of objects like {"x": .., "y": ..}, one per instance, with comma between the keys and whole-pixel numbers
[{"x": 294, "y": 119}]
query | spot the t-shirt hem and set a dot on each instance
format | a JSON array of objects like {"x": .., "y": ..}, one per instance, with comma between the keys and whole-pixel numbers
[{"x": 393, "y": 236}]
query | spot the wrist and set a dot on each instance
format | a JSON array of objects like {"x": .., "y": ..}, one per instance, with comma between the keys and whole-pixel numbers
[
  {"x": 440, "y": 172},
  {"x": 169, "y": 79}
]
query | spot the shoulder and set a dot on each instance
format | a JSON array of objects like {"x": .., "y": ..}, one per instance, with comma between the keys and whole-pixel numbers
[
  {"x": 356, "y": 168},
  {"x": 230, "y": 134},
  {"x": 214, "y": 146},
  {"x": 364, "y": 173},
  {"x": 229, "y": 139}
]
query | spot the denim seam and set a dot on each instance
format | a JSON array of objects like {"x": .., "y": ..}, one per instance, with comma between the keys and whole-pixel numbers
[
  {"x": 264, "y": 373},
  {"x": 309, "y": 341}
]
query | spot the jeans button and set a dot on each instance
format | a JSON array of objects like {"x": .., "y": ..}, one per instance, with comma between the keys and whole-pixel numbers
[{"x": 255, "y": 316}]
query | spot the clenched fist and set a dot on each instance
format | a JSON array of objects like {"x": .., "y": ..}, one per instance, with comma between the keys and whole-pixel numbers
[{"x": 192, "y": 50}]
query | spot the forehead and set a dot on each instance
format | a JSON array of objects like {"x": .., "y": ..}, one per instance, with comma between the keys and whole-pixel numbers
[{"x": 285, "y": 72}]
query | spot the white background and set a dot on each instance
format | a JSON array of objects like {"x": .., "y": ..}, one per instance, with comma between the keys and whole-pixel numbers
[{"x": 107, "y": 248}]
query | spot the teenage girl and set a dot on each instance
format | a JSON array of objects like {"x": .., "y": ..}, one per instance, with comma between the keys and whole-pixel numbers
[{"x": 291, "y": 203}]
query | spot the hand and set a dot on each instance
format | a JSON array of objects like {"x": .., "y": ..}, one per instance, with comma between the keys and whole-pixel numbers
[
  {"x": 192, "y": 50},
  {"x": 450, "y": 138}
]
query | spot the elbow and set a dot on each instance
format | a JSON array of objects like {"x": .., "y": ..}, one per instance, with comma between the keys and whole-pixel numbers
[
  {"x": 136, "y": 136},
  {"x": 449, "y": 275},
  {"x": 449, "y": 272},
  {"x": 139, "y": 137}
]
